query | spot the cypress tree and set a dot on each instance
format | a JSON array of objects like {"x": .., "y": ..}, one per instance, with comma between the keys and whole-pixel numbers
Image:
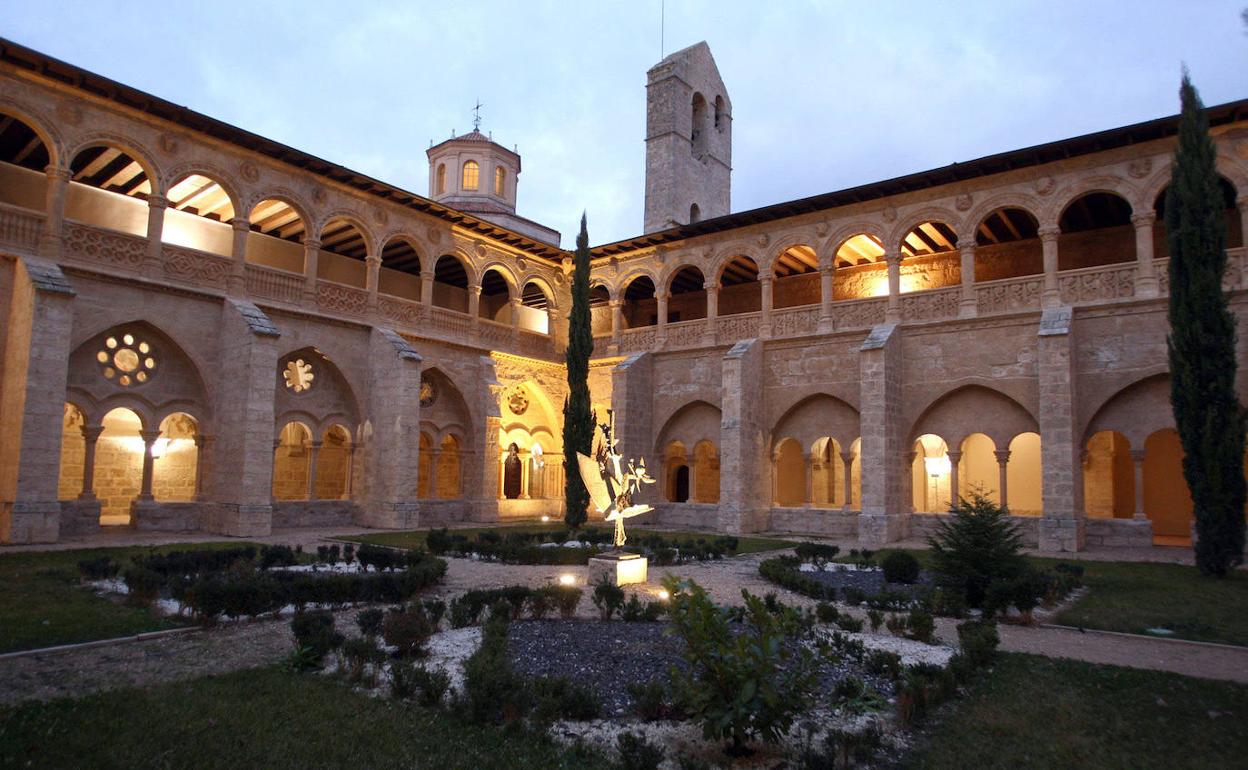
[
  {"x": 1201, "y": 343},
  {"x": 578, "y": 415}
]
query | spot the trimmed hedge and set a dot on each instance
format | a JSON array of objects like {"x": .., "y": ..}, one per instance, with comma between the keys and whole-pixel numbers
[
  {"x": 527, "y": 547},
  {"x": 784, "y": 571}
]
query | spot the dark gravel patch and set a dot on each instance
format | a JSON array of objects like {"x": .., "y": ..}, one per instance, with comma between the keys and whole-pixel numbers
[
  {"x": 871, "y": 581},
  {"x": 605, "y": 656}
]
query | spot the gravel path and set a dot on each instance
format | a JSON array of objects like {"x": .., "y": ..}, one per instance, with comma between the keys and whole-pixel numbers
[{"x": 242, "y": 645}]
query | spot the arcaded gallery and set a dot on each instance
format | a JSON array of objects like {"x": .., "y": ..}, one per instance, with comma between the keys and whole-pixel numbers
[{"x": 207, "y": 330}]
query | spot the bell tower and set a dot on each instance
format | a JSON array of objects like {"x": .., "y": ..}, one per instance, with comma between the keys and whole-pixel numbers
[{"x": 688, "y": 140}]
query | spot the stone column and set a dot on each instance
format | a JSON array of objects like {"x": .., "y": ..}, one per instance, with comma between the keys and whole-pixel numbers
[
  {"x": 347, "y": 487},
  {"x": 311, "y": 257},
  {"x": 882, "y": 456},
  {"x": 693, "y": 478},
  {"x": 808, "y": 469},
  {"x": 892, "y": 315},
  {"x": 712, "y": 310},
  {"x": 774, "y": 466},
  {"x": 632, "y": 400},
  {"x": 826, "y": 291},
  {"x": 238, "y": 253},
  {"x": 1242, "y": 202},
  {"x": 1137, "y": 458},
  {"x": 90, "y": 435},
  {"x": 1003, "y": 461},
  {"x": 314, "y": 450},
  {"x": 426, "y": 290},
  {"x": 386, "y": 489},
  {"x": 153, "y": 263},
  {"x": 955, "y": 488},
  {"x": 483, "y": 449},
  {"x": 660, "y": 337},
  {"x": 52, "y": 233},
  {"x": 908, "y": 482},
  {"x": 617, "y": 320},
  {"x": 149, "y": 440},
  {"x": 36, "y": 342},
  {"x": 967, "y": 306},
  {"x": 1145, "y": 271},
  {"x": 764, "y": 322},
  {"x": 239, "y": 480},
  {"x": 524, "y": 474},
  {"x": 1062, "y": 525},
  {"x": 743, "y": 506},
  {"x": 847, "y": 458},
  {"x": 372, "y": 277},
  {"x": 515, "y": 321},
  {"x": 202, "y": 443},
  {"x": 1049, "y": 235},
  {"x": 434, "y": 455}
]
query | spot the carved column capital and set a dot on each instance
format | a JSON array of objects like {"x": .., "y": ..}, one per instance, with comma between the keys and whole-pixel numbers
[
  {"x": 1143, "y": 219},
  {"x": 1049, "y": 233},
  {"x": 59, "y": 173}
]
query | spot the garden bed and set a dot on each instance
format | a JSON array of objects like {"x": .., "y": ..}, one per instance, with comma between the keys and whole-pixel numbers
[{"x": 867, "y": 580}]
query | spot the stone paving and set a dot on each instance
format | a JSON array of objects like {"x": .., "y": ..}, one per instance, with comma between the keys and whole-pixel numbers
[{"x": 232, "y": 646}]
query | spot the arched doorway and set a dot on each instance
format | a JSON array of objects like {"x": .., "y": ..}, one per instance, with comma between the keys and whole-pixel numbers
[
  {"x": 119, "y": 465},
  {"x": 513, "y": 473}
]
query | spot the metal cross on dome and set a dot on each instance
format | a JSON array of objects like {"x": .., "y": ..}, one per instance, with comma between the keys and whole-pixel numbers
[{"x": 476, "y": 116}]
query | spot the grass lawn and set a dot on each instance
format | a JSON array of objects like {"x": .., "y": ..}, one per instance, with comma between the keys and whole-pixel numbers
[
  {"x": 416, "y": 538},
  {"x": 268, "y": 718},
  {"x": 42, "y": 603},
  {"x": 1135, "y": 596},
  {"x": 1037, "y": 712}
]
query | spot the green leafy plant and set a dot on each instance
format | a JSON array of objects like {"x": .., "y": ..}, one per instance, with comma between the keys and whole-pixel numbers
[
  {"x": 407, "y": 630},
  {"x": 558, "y": 698},
  {"x": 411, "y": 680},
  {"x": 567, "y": 598},
  {"x": 900, "y": 567},
  {"x": 651, "y": 700},
  {"x": 101, "y": 568},
  {"x": 979, "y": 641},
  {"x": 636, "y": 753},
  {"x": 737, "y": 684},
  {"x": 607, "y": 597},
  {"x": 369, "y": 620},
  {"x": 875, "y": 618},
  {"x": 578, "y": 415},
  {"x": 855, "y": 697},
  {"x": 493, "y": 691},
  {"x": 977, "y": 547},
  {"x": 314, "y": 633}
]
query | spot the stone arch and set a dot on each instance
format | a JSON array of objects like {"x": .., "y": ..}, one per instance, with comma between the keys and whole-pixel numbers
[
  {"x": 24, "y": 158},
  {"x": 1008, "y": 245},
  {"x": 109, "y": 181},
  {"x": 201, "y": 207},
  {"x": 498, "y": 288},
  {"x": 1232, "y": 218},
  {"x": 676, "y": 473},
  {"x": 143, "y": 369},
  {"x": 175, "y": 466},
  {"x": 279, "y": 224},
  {"x": 453, "y": 276},
  {"x": 309, "y": 383},
  {"x": 740, "y": 281},
  {"x": 816, "y": 416},
  {"x": 1004, "y": 200},
  {"x": 137, "y": 152},
  {"x": 1136, "y": 410},
  {"x": 905, "y": 225},
  {"x": 930, "y": 484},
  {"x": 969, "y": 409},
  {"x": 229, "y": 187},
  {"x": 41, "y": 126},
  {"x": 794, "y": 268},
  {"x": 686, "y": 290},
  {"x": 640, "y": 303},
  {"x": 333, "y": 463},
  {"x": 447, "y": 413},
  {"x": 693, "y": 422},
  {"x": 789, "y": 473},
  {"x": 399, "y": 274},
  {"x": 119, "y": 455},
  {"x": 283, "y": 195},
  {"x": 292, "y": 458},
  {"x": 1076, "y": 189}
]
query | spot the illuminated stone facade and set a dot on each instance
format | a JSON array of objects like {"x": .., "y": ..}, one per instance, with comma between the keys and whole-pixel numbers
[{"x": 327, "y": 350}]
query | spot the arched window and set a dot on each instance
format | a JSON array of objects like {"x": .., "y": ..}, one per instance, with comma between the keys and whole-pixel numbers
[
  {"x": 697, "y": 136},
  {"x": 472, "y": 174},
  {"x": 440, "y": 183},
  {"x": 694, "y": 213},
  {"x": 500, "y": 180}
]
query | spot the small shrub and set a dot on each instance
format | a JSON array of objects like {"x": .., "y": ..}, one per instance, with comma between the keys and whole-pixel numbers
[
  {"x": 407, "y": 631},
  {"x": 608, "y": 598},
  {"x": 558, "y": 698},
  {"x": 493, "y": 692},
  {"x": 410, "y": 680},
  {"x": 947, "y": 603},
  {"x": 435, "y": 609},
  {"x": 541, "y": 602},
  {"x": 369, "y": 621},
  {"x": 853, "y": 696},
  {"x": 314, "y": 632},
  {"x": 849, "y": 623},
  {"x": 977, "y": 548},
  {"x": 636, "y": 753},
  {"x": 854, "y": 596},
  {"x": 277, "y": 556},
  {"x": 358, "y": 654},
  {"x": 566, "y": 598},
  {"x": 143, "y": 584},
  {"x": 818, "y": 553},
  {"x": 979, "y": 640},
  {"x": 463, "y": 612},
  {"x": 883, "y": 663},
  {"x": 826, "y": 613},
  {"x": 900, "y": 567},
  {"x": 650, "y": 700},
  {"x": 348, "y": 553},
  {"x": 876, "y": 619},
  {"x": 921, "y": 626},
  {"x": 102, "y": 568}
]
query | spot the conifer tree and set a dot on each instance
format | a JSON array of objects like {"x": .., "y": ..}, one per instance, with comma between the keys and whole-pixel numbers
[
  {"x": 578, "y": 415},
  {"x": 1201, "y": 343}
]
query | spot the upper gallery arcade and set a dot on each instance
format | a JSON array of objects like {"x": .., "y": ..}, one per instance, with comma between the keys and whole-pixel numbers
[{"x": 205, "y": 329}]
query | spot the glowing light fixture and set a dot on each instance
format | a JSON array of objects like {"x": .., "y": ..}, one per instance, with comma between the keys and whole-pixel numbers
[
  {"x": 567, "y": 579},
  {"x": 937, "y": 466},
  {"x": 545, "y": 518},
  {"x": 159, "y": 447},
  {"x": 664, "y": 595}
]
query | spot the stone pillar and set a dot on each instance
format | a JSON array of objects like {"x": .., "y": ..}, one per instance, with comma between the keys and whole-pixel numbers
[
  {"x": 826, "y": 291},
  {"x": 1049, "y": 235},
  {"x": 515, "y": 320},
  {"x": 483, "y": 467},
  {"x": 311, "y": 257},
  {"x": 238, "y": 253},
  {"x": 1137, "y": 458},
  {"x": 149, "y": 440},
  {"x": 1242, "y": 202},
  {"x": 712, "y": 310},
  {"x": 885, "y": 509},
  {"x": 955, "y": 488},
  {"x": 773, "y": 465},
  {"x": 1003, "y": 461},
  {"x": 524, "y": 474},
  {"x": 314, "y": 450},
  {"x": 239, "y": 481},
  {"x": 52, "y": 233},
  {"x": 892, "y": 315},
  {"x": 660, "y": 337},
  {"x": 202, "y": 443},
  {"x": 1145, "y": 271},
  {"x": 617, "y": 320},
  {"x": 967, "y": 306},
  {"x": 743, "y": 456},
  {"x": 153, "y": 263},
  {"x": 372, "y": 277},
  {"x": 908, "y": 459},
  {"x": 632, "y": 402},
  {"x": 693, "y": 478},
  {"x": 808, "y": 468},
  {"x": 350, "y": 483},
  {"x": 764, "y": 321},
  {"x": 1062, "y": 525},
  {"x": 32, "y": 400},
  {"x": 847, "y": 458},
  {"x": 426, "y": 289},
  {"x": 90, "y": 435},
  {"x": 386, "y": 489},
  {"x": 434, "y": 454}
]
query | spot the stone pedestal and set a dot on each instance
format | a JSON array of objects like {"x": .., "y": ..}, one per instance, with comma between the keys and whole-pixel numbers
[{"x": 620, "y": 567}]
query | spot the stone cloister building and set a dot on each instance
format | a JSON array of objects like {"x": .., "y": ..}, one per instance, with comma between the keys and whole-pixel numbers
[{"x": 206, "y": 330}]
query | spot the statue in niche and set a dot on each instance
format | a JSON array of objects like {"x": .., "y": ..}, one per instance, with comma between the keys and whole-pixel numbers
[{"x": 512, "y": 473}]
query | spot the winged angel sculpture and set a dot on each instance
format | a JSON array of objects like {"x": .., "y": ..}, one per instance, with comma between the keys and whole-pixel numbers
[{"x": 611, "y": 483}]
